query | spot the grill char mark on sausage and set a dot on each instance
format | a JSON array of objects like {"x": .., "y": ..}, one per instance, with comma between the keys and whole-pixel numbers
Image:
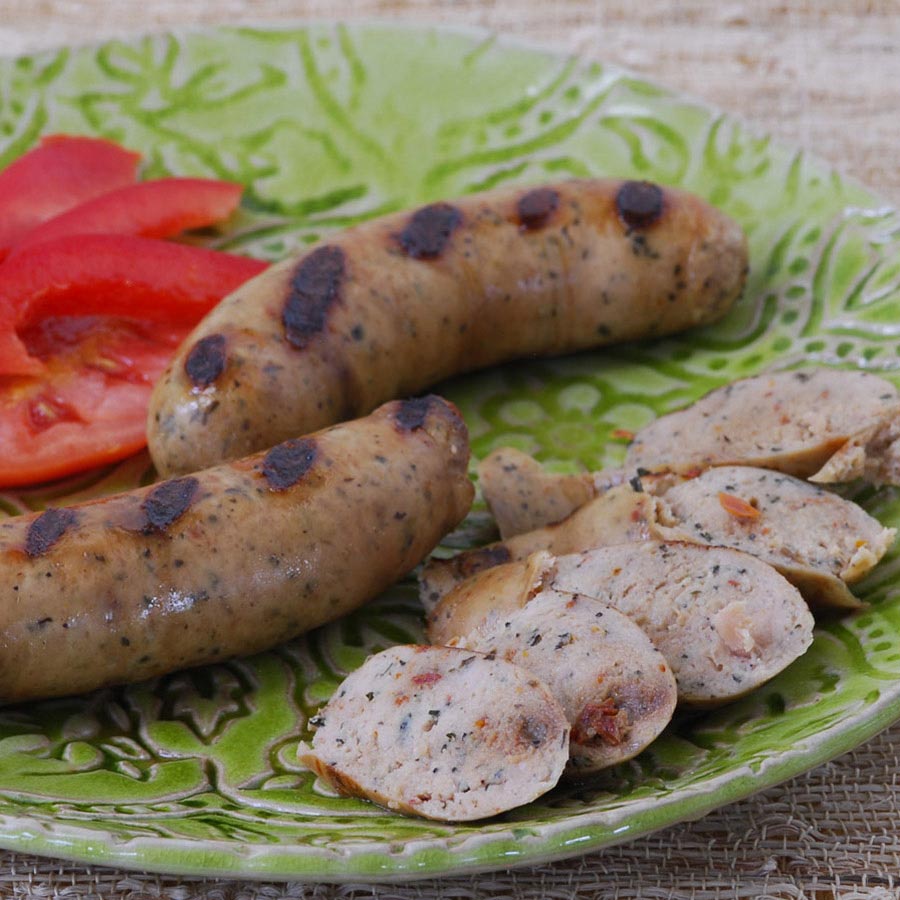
[
  {"x": 285, "y": 464},
  {"x": 47, "y": 529},
  {"x": 639, "y": 204},
  {"x": 429, "y": 230},
  {"x": 206, "y": 361},
  {"x": 536, "y": 208},
  {"x": 167, "y": 503},
  {"x": 315, "y": 287},
  {"x": 412, "y": 413}
]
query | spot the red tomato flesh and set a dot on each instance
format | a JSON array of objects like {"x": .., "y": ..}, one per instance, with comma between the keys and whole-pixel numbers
[
  {"x": 89, "y": 407},
  {"x": 110, "y": 275},
  {"x": 159, "y": 208},
  {"x": 59, "y": 173}
]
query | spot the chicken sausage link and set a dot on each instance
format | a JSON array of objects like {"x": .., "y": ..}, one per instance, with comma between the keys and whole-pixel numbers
[
  {"x": 397, "y": 304},
  {"x": 228, "y": 561}
]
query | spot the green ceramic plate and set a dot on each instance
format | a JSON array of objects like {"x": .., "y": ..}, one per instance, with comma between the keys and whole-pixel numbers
[{"x": 197, "y": 773}]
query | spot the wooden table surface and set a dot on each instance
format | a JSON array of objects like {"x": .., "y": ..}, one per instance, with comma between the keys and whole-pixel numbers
[{"x": 824, "y": 76}]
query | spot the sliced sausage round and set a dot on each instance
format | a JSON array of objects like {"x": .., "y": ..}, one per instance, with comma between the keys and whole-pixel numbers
[
  {"x": 619, "y": 515},
  {"x": 819, "y": 541},
  {"x": 523, "y": 496},
  {"x": 616, "y": 688},
  {"x": 794, "y": 422},
  {"x": 440, "y": 732},
  {"x": 725, "y": 621}
]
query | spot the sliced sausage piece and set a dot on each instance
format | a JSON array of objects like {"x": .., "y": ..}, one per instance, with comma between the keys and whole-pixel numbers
[
  {"x": 440, "y": 732},
  {"x": 872, "y": 454},
  {"x": 828, "y": 426},
  {"x": 616, "y": 689},
  {"x": 725, "y": 621},
  {"x": 486, "y": 599},
  {"x": 621, "y": 514},
  {"x": 790, "y": 421},
  {"x": 819, "y": 541},
  {"x": 523, "y": 496},
  {"x": 231, "y": 560},
  {"x": 397, "y": 304}
]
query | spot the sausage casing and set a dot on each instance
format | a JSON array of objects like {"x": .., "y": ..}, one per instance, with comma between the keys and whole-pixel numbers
[
  {"x": 231, "y": 560},
  {"x": 399, "y": 303}
]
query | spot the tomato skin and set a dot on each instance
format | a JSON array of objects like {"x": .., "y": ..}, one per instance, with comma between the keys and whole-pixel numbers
[
  {"x": 110, "y": 275},
  {"x": 159, "y": 208},
  {"x": 60, "y": 172}
]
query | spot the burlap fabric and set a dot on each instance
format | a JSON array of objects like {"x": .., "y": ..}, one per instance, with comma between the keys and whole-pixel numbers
[{"x": 825, "y": 76}]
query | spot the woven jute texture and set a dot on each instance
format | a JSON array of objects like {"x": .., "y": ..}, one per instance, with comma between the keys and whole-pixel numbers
[{"x": 822, "y": 75}]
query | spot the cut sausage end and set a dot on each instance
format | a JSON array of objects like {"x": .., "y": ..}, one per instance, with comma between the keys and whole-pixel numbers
[
  {"x": 726, "y": 621},
  {"x": 442, "y": 733},
  {"x": 616, "y": 688}
]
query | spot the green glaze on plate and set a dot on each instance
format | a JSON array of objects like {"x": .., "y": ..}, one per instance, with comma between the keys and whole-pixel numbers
[{"x": 196, "y": 773}]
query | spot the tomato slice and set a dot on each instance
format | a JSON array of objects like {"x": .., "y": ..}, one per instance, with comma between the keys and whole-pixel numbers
[
  {"x": 59, "y": 173},
  {"x": 159, "y": 208},
  {"x": 110, "y": 275},
  {"x": 89, "y": 407}
]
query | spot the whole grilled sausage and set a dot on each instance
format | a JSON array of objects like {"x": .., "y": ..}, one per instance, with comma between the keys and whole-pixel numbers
[
  {"x": 399, "y": 303},
  {"x": 228, "y": 561}
]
